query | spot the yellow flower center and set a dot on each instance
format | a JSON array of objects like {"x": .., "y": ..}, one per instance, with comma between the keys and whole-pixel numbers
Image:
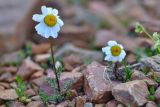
[
  {"x": 116, "y": 50},
  {"x": 50, "y": 20}
]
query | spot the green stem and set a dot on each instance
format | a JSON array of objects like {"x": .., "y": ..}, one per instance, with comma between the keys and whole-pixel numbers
[
  {"x": 148, "y": 34},
  {"x": 53, "y": 61}
]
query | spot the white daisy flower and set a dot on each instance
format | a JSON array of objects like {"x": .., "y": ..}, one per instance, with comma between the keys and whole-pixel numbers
[
  {"x": 49, "y": 22},
  {"x": 114, "y": 52}
]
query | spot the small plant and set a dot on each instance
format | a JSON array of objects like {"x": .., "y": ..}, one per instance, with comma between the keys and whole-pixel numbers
[
  {"x": 49, "y": 24},
  {"x": 20, "y": 90},
  {"x": 151, "y": 95},
  {"x": 155, "y": 37},
  {"x": 115, "y": 53},
  {"x": 154, "y": 77},
  {"x": 127, "y": 73}
]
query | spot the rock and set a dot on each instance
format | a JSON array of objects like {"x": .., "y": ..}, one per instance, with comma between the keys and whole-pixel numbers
[
  {"x": 138, "y": 75},
  {"x": 80, "y": 101},
  {"x": 37, "y": 74},
  {"x": 8, "y": 69},
  {"x": 12, "y": 29},
  {"x": 68, "y": 49},
  {"x": 75, "y": 78},
  {"x": 97, "y": 89},
  {"x": 120, "y": 105},
  {"x": 132, "y": 93},
  {"x": 151, "y": 104},
  {"x": 30, "y": 92},
  {"x": 100, "y": 105},
  {"x": 2, "y": 88},
  {"x": 17, "y": 104},
  {"x": 157, "y": 95},
  {"x": 40, "y": 48},
  {"x": 9, "y": 94},
  {"x": 5, "y": 76},
  {"x": 66, "y": 103},
  {"x": 112, "y": 103},
  {"x": 52, "y": 105},
  {"x": 4, "y": 84},
  {"x": 10, "y": 58},
  {"x": 73, "y": 94},
  {"x": 27, "y": 68},
  {"x": 71, "y": 61},
  {"x": 88, "y": 105},
  {"x": 42, "y": 57},
  {"x": 35, "y": 104},
  {"x": 35, "y": 98},
  {"x": 13, "y": 85},
  {"x": 152, "y": 62}
]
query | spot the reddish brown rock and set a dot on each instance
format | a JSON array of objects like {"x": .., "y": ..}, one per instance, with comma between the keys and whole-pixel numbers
[
  {"x": 80, "y": 101},
  {"x": 35, "y": 104},
  {"x": 151, "y": 104},
  {"x": 75, "y": 78},
  {"x": 9, "y": 94},
  {"x": 41, "y": 48},
  {"x": 112, "y": 103},
  {"x": 17, "y": 104},
  {"x": 8, "y": 69},
  {"x": 99, "y": 105},
  {"x": 157, "y": 95},
  {"x": 12, "y": 29},
  {"x": 71, "y": 61},
  {"x": 96, "y": 87},
  {"x": 139, "y": 75},
  {"x": 30, "y": 92},
  {"x": 132, "y": 93},
  {"x": 27, "y": 68}
]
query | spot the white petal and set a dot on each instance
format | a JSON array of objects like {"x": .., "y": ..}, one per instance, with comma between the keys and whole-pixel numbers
[
  {"x": 114, "y": 59},
  {"x": 106, "y": 49},
  {"x": 49, "y": 10},
  {"x": 44, "y": 10},
  {"x": 38, "y": 17},
  {"x": 60, "y": 22},
  {"x": 54, "y": 34},
  {"x": 112, "y": 43},
  {"x": 39, "y": 28},
  {"x": 107, "y": 58},
  {"x": 47, "y": 32},
  {"x": 120, "y": 46},
  {"x": 56, "y": 28},
  {"x": 55, "y": 11}
]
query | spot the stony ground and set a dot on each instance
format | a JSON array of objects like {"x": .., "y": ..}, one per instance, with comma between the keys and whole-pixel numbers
[{"x": 89, "y": 25}]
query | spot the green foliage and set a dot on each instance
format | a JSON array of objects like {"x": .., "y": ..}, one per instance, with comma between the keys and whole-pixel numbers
[
  {"x": 58, "y": 97},
  {"x": 87, "y": 60},
  {"x": 155, "y": 37},
  {"x": 139, "y": 28},
  {"x": 154, "y": 77},
  {"x": 144, "y": 52},
  {"x": 104, "y": 25},
  {"x": 127, "y": 73},
  {"x": 78, "y": 2},
  {"x": 7, "y": 103},
  {"x": 26, "y": 51},
  {"x": 20, "y": 90},
  {"x": 151, "y": 95}
]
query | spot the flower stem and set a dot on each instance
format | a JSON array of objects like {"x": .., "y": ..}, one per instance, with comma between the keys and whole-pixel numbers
[
  {"x": 148, "y": 34},
  {"x": 115, "y": 70},
  {"x": 53, "y": 61}
]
